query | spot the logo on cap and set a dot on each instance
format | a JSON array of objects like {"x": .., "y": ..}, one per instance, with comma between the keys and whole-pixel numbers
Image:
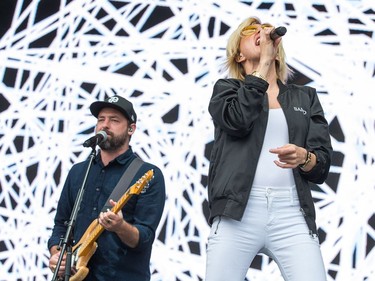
[{"x": 113, "y": 100}]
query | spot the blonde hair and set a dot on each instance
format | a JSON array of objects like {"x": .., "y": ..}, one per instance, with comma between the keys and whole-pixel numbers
[{"x": 236, "y": 70}]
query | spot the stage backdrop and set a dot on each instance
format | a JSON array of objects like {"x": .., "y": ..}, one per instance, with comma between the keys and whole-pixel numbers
[{"x": 57, "y": 57}]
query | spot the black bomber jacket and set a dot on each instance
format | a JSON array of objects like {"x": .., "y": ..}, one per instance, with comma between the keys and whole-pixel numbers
[{"x": 239, "y": 110}]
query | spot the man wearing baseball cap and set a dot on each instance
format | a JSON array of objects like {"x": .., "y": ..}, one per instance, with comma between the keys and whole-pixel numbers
[
  {"x": 116, "y": 102},
  {"x": 124, "y": 247}
]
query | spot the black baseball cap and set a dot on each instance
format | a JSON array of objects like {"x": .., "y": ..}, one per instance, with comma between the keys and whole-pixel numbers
[{"x": 116, "y": 102}]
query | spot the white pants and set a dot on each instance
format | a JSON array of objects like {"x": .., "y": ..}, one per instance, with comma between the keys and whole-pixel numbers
[{"x": 272, "y": 224}]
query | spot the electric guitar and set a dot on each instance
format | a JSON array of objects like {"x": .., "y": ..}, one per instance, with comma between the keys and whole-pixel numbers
[{"x": 86, "y": 246}]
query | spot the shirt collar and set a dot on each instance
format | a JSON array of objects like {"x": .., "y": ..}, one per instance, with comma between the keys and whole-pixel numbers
[
  {"x": 282, "y": 86},
  {"x": 122, "y": 159}
]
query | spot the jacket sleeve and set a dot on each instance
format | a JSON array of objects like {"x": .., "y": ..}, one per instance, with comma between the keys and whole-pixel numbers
[
  {"x": 234, "y": 104},
  {"x": 318, "y": 141}
]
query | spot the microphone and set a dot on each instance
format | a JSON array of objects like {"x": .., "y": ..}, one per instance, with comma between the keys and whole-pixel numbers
[
  {"x": 278, "y": 32},
  {"x": 100, "y": 137}
]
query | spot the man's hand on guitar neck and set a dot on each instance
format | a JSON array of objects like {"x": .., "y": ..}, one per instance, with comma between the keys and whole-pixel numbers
[{"x": 115, "y": 223}]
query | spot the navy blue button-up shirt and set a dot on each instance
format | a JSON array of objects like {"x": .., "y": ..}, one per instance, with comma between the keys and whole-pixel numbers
[{"x": 113, "y": 260}]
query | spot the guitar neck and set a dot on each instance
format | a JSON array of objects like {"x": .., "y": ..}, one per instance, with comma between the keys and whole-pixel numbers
[
  {"x": 94, "y": 235},
  {"x": 95, "y": 229},
  {"x": 121, "y": 202}
]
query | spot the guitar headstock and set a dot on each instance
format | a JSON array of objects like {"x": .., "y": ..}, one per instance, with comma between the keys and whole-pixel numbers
[{"x": 142, "y": 182}]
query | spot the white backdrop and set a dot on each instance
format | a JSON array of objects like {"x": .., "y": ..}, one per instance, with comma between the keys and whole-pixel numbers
[{"x": 57, "y": 57}]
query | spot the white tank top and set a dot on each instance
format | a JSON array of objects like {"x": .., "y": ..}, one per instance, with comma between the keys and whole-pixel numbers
[{"x": 267, "y": 173}]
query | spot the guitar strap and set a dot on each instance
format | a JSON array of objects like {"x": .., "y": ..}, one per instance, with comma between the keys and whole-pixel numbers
[{"x": 123, "y": 183}]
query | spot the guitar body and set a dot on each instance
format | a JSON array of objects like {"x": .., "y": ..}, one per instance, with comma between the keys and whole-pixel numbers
[
  {"x": 82, "y": 253},
  {"x": 86, "y": 246}
]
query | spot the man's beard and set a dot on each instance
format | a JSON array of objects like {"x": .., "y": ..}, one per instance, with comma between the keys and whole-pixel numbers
[{"x": 114, "y": 143}]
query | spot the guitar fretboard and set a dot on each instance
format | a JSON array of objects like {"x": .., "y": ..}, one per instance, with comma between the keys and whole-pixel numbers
[{"x": 134, "y": 189}]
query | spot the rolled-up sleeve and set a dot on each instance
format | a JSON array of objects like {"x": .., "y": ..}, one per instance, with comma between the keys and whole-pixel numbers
[{"x": 149, "y": 210}]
